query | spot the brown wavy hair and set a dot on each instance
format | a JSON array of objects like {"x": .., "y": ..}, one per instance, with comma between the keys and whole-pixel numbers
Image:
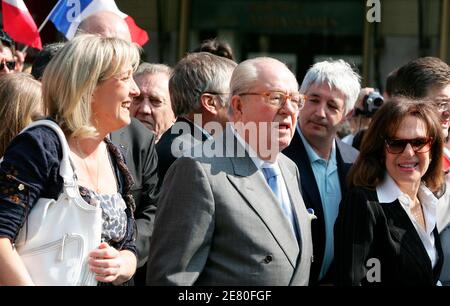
[{"x": 369, "y": 169}]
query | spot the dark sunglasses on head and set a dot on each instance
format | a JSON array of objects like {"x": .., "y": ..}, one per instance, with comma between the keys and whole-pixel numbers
[
  {"x": 10, "y": 64},
  {"x": 419, "y": 145}
]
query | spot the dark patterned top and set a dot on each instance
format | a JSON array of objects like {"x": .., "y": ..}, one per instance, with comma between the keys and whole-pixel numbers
[{"x": 113, "y": 213}]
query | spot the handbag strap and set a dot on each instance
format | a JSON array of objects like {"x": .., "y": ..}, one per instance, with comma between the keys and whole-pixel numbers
[{"x": 65, "y": 170}]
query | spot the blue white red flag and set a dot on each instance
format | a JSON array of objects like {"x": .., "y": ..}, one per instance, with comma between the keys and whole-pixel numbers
[{"x": 68, "y": 14}]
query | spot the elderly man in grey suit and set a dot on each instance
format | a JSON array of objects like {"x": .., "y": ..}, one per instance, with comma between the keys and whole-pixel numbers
[{"x": 235, "y": 215}]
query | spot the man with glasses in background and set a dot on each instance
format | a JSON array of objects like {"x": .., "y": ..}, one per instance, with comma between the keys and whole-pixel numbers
[
  {"x": 331, "y": 89},
  {"x": 238, "y": 218}
]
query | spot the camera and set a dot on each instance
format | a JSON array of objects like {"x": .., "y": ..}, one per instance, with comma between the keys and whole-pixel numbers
[{"x": 371, "y": 103}]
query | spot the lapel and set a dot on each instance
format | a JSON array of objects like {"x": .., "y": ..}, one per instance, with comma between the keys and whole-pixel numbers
[
  {"x": 310, "y": 190},
  {"x": 303, "y": 222},
  {"x": 345, "y": 157},
  {"x": 406, "y": 235},
  {"x": 250, "y": 183},
  {"x": 311, "y": 196},
  {"x": 438, "y": 267},
  {"x": 119, "y": 139},
  {"x": 292, "y": 185}
]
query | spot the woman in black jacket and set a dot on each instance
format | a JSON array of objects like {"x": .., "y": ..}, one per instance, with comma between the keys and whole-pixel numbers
[{"x": 386, "y": 233}]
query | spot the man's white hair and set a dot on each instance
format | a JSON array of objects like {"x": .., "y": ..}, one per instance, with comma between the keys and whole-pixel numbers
[{"x": 338, "y": 75}]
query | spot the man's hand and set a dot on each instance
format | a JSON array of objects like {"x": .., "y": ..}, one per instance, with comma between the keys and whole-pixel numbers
[{"x": 364, "y": 92}]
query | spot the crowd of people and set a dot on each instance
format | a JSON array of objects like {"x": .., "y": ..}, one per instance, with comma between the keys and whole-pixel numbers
[{"x": 214, "y": 172}]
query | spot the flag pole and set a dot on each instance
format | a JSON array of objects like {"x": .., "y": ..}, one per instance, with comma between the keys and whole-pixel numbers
[{"x": 43, "y": 23}]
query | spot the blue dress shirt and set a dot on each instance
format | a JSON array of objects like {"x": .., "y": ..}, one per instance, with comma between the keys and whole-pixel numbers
[{"x": 327, "y": 180}]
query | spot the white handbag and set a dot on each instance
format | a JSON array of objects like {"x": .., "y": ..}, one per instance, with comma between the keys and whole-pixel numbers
[{"x": 57, "y": 237}]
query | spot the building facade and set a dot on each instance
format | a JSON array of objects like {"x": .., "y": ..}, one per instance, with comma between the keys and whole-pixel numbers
[{"x": 376, "y": 36}]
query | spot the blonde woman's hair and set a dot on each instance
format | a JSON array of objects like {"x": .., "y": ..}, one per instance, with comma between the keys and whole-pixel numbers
[
  {"x": 72, "y": 75},
  {"x": 20, "y": 103}
]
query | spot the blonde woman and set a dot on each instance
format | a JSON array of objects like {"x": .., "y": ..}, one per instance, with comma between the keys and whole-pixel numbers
[
  {"x": 20, "y": 103},
  {"x": 87, "y": 90}
]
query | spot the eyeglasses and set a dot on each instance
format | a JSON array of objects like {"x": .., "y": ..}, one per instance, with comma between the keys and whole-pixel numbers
[
  {"x": 442, "y": 105},
  {"x": 419, "y": 145},
  {"x": 10, "y": 64},
  {"x": 279, "y": 98}
]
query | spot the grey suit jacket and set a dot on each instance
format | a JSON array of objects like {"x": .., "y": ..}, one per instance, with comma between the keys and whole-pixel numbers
[{"x": 218, "y": 223}]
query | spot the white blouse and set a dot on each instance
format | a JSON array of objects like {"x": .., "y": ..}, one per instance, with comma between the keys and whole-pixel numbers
[{"x": 388, "y": 192}]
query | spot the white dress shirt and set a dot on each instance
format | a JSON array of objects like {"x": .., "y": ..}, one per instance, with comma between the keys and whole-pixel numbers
[{"x": 388, "y": 192}]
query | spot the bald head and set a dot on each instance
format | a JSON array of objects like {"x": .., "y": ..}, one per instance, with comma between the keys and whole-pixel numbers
[
  {"x": 106, "y": 24},
  {"x": 259, "y": 70}
]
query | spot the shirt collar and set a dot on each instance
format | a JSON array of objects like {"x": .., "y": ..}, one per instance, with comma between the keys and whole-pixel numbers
[
  {"x": 312, "y": 155},
  {"x": 388, "y": 191},
  {"x": 429, "y": 204}
]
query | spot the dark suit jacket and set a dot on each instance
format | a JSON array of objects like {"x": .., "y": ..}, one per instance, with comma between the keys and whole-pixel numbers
[
  {"x": 182, "y": 127},
  {"x": 138, "y": 145},
  {"x": 345, "y": 156},
  {"x": 368, "y": 229}
]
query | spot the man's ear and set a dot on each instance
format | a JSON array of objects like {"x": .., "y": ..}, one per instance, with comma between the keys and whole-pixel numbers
[
  {"x": 209, "y": 103},
  {"x": 236, "y": 106},
  {"x": 350, "y": 114}
]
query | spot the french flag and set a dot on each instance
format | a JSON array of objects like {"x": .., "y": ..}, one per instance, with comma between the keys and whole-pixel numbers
[
  {"x": 67, "y": 16},
  {"x": 19, "y": 24}
]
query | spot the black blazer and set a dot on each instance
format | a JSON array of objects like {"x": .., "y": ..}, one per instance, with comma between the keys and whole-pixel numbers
[
  {"x": 164, "y": 145},
  {"x": 368, "y": 229},
  {"x": 137, "y": 143},
  {"x": 345, "y": 156}
]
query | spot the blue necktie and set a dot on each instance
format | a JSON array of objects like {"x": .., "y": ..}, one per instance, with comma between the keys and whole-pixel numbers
[{"x": 273, "y": 176}]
